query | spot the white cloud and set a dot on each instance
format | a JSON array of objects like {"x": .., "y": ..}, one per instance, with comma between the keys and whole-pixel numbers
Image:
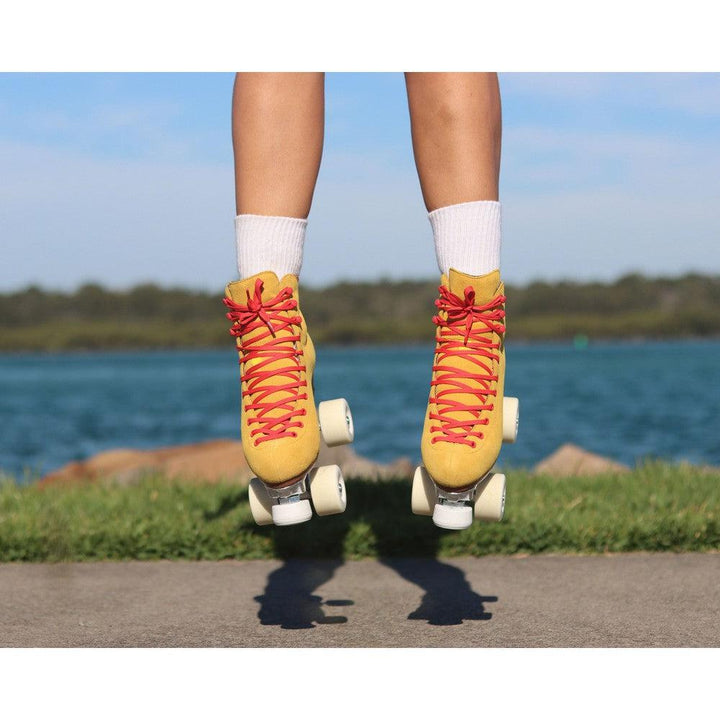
[
  {"x": 692, "y": 93},
  {"x": 601, "y": 235},
  {"x": 536, "y": 155},
  {"x": 583, "y": 205},
  {"x": 66, "y": 218},
  {"x": 148, "y": 129},
  {"x": 577, "y": 202},
  {"x": 367, "y": 223}
]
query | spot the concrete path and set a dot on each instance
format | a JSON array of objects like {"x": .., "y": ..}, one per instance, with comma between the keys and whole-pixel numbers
[{"x": 608, "y": 601}]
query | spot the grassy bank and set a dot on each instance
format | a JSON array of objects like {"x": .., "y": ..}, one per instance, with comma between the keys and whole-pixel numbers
[
  {"x": 72, "y": 335},
  {"x": 655, "y": 508}
]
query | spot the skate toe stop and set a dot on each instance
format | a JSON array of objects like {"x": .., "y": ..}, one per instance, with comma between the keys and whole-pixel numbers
[
  {"x": 291, "y": 513},
  {"x": 453, "y": 517}
]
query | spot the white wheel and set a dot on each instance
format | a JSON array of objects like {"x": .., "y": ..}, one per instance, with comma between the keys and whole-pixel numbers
[
  {"x": 291, "y": 513},
  {"x": 453, "y": 517},
  {"x": 511, "y": 419},
  {"x": 424, "y": 494},
  {"x": 336, "y": 423},
  {"x": 327, "y": 489},
  {"x": 260, "y": 502},
  {"x": 490, "y": 499}
]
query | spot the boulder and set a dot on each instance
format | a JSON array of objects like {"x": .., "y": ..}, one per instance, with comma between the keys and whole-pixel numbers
[
  {"x": 210, "y": 461},
  {"x": 354, "y": 465},
  {"x": 570, "y": 460}
]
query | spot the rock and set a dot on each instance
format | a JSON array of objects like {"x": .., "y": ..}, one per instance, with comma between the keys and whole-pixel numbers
[
  {"x": 353, "y": 465},
  {"x": 570, "y": 460},
  {"x": 208, "y": 462}
]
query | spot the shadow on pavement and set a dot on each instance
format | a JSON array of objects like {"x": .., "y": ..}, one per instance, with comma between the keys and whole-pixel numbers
[
  {"x": 290, "y": 600},
  {"x": 448, "y": 598}
]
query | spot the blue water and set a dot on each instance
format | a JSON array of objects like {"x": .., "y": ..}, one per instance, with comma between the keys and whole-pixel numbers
[{"x": 626, "y": 401}]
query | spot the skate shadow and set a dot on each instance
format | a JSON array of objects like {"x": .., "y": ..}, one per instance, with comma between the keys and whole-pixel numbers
[
  {"x": 448, "y": 598},
  {"x": 313, "y": 552},
  {"x": 289, "y": 599}
]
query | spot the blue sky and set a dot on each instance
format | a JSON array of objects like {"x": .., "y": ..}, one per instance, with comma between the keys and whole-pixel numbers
[{"x": 126, "y": 178}]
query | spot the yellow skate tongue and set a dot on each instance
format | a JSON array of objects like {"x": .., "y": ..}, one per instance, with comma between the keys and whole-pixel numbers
[
  {"x": 267, "y": 337},
  {"x": 238, "y": 290},
  {"x": 460, "y": 365},
  {"x": 486, "y": 286}
]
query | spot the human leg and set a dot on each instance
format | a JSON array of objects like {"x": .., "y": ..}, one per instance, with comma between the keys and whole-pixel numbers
[
  {"x": 456, "y": 131},
  {"x": 277, "y": 130},
  {"x": 277, "y": 140}
]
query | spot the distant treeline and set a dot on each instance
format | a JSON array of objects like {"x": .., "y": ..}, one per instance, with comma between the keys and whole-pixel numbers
[{"x": 371, "y": 312}]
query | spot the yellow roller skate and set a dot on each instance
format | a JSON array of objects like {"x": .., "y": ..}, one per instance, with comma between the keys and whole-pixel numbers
[
  {"x": 467, "y": 418},
  {"x": 280, "y": 426}
]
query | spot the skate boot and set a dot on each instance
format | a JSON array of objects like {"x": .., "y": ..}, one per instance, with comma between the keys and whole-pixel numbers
[
  {"x": 467, "y": 418},
  {"x": 280, "y": 426}
]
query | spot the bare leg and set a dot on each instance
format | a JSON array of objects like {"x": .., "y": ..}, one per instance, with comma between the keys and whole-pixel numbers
[
  {"x": 277, "y": 126},
  {"x": 456, "y": 134},
  {"x": 456, "y": 131}
]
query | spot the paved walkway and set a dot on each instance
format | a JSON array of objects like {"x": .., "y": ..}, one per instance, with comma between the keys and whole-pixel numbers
[{"x": 661, "y": 600}]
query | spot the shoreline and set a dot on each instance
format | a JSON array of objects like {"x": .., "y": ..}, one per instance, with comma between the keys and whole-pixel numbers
[
  {"x": 564, "y": 343},
  {"x": 223, "y": 461}
]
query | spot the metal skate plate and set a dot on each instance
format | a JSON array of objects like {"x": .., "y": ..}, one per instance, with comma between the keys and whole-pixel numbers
[
  {"x": 291, "y": 493},
  {"x": 450, "y": 496}
]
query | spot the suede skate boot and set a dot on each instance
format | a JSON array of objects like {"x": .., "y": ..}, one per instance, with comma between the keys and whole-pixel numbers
[
  {"x": 463, "y": 430},
  {"x": 280, "y": 426}
]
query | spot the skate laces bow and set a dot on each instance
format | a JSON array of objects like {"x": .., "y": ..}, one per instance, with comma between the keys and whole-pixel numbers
[
  {"x": 268, "y": 338},
  {"x": 464, "y": 357}
]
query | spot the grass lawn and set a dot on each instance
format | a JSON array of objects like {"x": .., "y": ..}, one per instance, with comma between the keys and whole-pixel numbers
[{"x": 657, "y": 507}]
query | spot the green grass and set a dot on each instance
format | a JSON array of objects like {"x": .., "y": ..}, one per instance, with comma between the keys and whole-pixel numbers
[{"x": 657, "y": 507}]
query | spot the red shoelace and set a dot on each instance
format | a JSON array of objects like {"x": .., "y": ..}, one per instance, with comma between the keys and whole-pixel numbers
[
  {"x": 278, "y": 342},
  {"x": 465, "y": 333}
]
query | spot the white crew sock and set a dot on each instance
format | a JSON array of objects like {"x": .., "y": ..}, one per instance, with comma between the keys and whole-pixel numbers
[
  {"x": 467, "y": 236},
  {"x": 267, "y": 242}
]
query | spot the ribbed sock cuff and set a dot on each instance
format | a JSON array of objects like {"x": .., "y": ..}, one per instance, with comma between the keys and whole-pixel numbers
[
  {"x": 467, "y": 236},
  {"x": 268, "y": 242}
]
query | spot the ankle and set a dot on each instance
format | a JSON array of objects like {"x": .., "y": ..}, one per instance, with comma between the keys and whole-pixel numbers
[{"x": 265, "y": 242}]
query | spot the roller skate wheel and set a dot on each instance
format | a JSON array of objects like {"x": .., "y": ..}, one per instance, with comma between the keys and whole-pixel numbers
[
  {"x": 260, "y": 502},
  {"x": 327, "y": 489},
  {"x": 453, "y": 517},
  {"x": 336, "y": 423},
  {"x": 490, "y": 499},
  {"x": 291, "y": 513},
  {"x": 424, "y": 494},
  {"x": 511, "y": 419}
]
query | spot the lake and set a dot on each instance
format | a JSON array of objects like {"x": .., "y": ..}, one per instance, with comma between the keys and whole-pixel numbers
[{"x": 628, "y": 401}]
